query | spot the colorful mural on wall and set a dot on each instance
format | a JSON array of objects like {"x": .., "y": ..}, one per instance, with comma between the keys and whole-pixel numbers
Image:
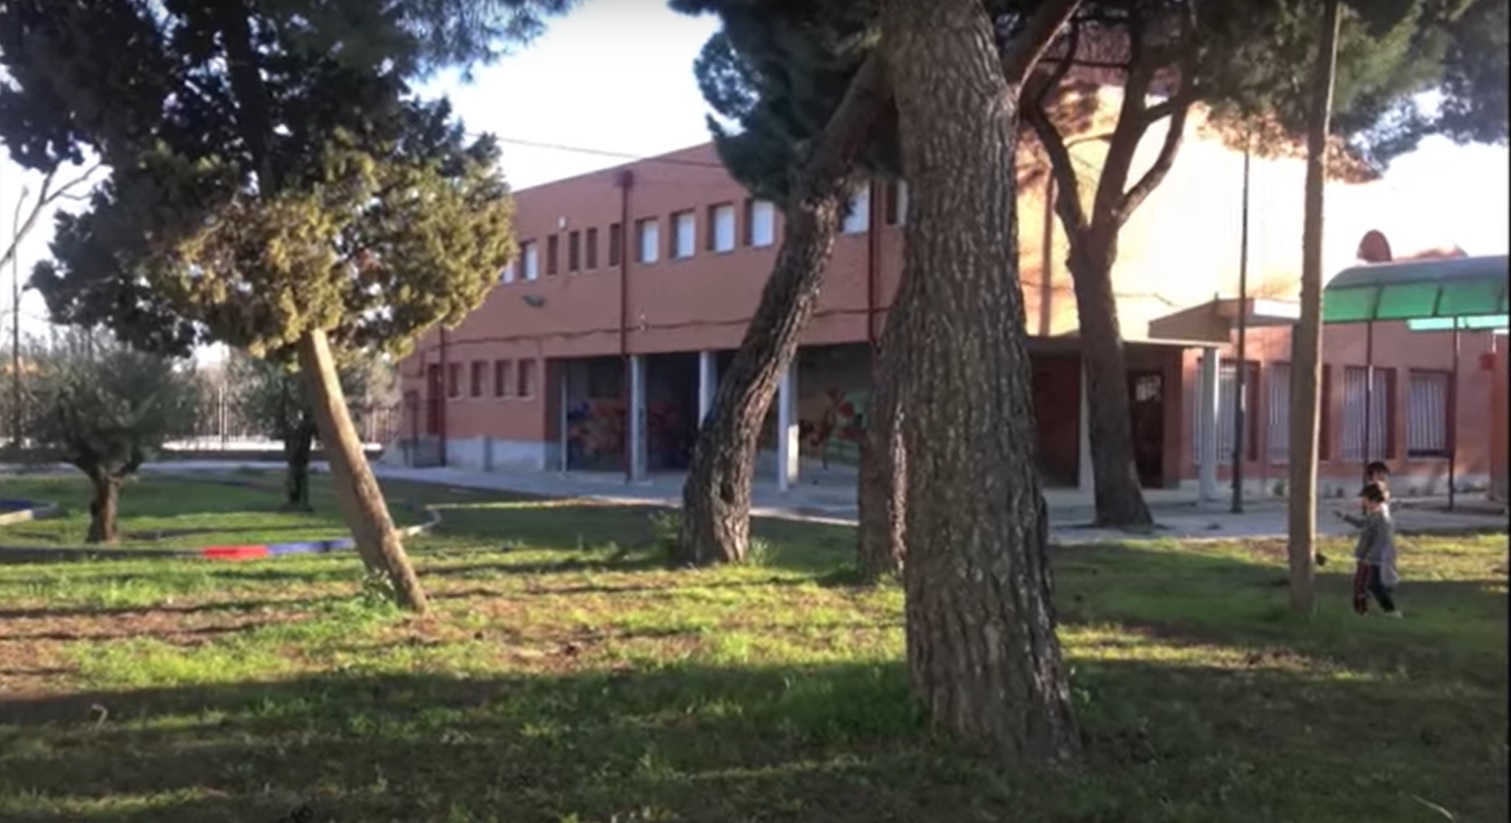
[
  {"x": 836, "y": 431},
  {"x": 596, "y": 435}
]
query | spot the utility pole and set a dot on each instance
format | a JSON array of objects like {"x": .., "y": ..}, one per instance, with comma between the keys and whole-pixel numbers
[
  {"x": 15, "y": 325},
  {"x": 1241, "y": 390}
]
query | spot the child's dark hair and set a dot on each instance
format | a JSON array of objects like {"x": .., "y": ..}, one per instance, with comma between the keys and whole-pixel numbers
[
  {"x": 1377, "y": 468},
  {"x": 1374, "y": 492}
]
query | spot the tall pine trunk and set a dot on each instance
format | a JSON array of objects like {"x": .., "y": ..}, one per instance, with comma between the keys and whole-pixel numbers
[
  {"x": 1306, "y": 343},
  {"x": 982, "y": 650},
  {"x": 298, "y": 446},
  {"x": 1118, "y": 493},
  {"x": 103, "y": 508},
  {"x": 357, "y": 491},
  {"x": 716, "y": 497},
  {"x": 881, "y": 545}
]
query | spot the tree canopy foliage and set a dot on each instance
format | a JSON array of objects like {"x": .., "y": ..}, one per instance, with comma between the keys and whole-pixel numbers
[
  {"x": 275, "y": 182},
  {"x": 777, "y": 67},
  {"x": 106, "y": 409}
]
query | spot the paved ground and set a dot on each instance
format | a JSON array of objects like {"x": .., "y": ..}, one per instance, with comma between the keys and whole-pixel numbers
[{"x": 831, "y": 497}]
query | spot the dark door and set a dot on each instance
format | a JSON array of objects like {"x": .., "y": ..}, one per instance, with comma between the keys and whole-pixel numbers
[
  {"x": 1146, "y": 404},
  {"x": 435, "y": 394}
]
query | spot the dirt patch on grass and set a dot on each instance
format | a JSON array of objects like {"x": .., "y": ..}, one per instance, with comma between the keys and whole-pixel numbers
[{"x": 35, "y": 639}]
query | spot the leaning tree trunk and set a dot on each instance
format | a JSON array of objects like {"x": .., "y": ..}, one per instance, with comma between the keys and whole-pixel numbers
[
  {"x": 103, "y": 508},
  {"x": 881, "y": 547},
  {"x": 716, "y": 497},
  {"x": 1118, "y": 492},
  {"x": 1306, "y": 342},
  {"x": 298, "y": 446},
  {"x": 982, "y": 650},
  {"x": 357, "y": 491}
]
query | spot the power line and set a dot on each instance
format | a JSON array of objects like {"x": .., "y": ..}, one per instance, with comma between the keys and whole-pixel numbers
[{"x": 616, "y": 155}]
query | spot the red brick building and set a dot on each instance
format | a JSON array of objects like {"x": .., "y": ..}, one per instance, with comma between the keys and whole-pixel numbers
[{"x": 634, "y": 285}]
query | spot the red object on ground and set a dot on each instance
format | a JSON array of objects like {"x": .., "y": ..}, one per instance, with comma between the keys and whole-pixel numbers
[{"x": 234, "y": 552}]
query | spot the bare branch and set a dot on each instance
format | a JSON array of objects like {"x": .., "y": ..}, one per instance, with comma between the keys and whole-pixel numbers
[
  {"x": 1026, "y": 49},
  {"x": 1151, "y": 179},
  {"x": 1131, "y": 125},
  {"x": 1062, "y": 168},
  {"x": 45, "y": 197},
  {"x": 63, "y": 191},
  {"x": 1179, "y": 106},
  {"x": 1068, "y": 197}
]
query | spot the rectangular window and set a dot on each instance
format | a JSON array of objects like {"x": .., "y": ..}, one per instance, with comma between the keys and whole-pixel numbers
[
  {"x": 858, "y": 212},
  {"x": 1227, "y": 402},
  {"x": 526, "y": 372},
  {"x": 1427, "y": 414},
  {"x": 616, "y": 243},
  {"x": 760, "y": 223},
  {"x": 503, "y": 377},
  {"x": 1357, "y": 395},
  {"x": 605, "y": 378},
  {"x": 721, "y": 227},
  {"x": 1325, "y": 431},
  {"x": 592, "y": 249},
  {"x": 529, "y": 253},
  {"x": 685, "y": 226},
  {"x": 478, "y": 374},
  {"x": 574, "y": 251},
  {"x": 1278, "y": 412},
  {"x": 453, "y": 379},
  {"x": 506, "y": 275},
  {"x": 553, "y": 248},
  {"x": 897, "y": 203},
  {"x": 649, "y": 233}
]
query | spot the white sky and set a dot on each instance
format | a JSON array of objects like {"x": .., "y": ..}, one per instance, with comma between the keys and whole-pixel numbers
[{"x": 615, "y": 76}]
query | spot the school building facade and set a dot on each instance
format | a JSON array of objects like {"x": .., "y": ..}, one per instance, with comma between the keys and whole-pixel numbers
[{"x": 600, "y": 348}]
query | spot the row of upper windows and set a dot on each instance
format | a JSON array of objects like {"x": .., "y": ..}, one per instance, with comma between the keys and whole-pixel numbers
[
  {"x": 720, "y": 231},
  {"x": 510, "y": 379}
]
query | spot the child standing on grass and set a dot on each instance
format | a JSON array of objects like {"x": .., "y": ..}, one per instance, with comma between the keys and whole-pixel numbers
[{"x": 1375, "y": 552}]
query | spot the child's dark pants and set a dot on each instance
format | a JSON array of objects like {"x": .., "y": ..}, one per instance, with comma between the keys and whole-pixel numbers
[{"x": 1367, "y": 579}]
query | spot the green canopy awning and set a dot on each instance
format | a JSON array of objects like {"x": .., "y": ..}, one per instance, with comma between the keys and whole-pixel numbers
[{"x": 1459, "y": 287}]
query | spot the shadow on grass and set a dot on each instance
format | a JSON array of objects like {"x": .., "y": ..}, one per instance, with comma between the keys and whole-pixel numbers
[
  {"x": 840, "y": 743},
  {"x": 1196, "y": 596}
]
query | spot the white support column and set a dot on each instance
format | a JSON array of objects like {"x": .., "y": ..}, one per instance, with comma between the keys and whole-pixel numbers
[
  {"x": 637, "y": 418},
  {"x": 563, "y": 370},
  {"x": 1085, "y": 476},
  {"x": 787, "y": 451},
  {"x": 1206, "y": 436},
  {"x": 708, "y": 382}
]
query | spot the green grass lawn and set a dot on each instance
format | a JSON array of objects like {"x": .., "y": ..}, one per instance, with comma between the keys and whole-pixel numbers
[
  {"x": 184, "y": 511},
  {"x": 569, "y": 676}
]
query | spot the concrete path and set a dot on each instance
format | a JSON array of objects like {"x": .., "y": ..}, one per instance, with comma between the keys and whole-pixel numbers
[{"x": 831, "y": 498}]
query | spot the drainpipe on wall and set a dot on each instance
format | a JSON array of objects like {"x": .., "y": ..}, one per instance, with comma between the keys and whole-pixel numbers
[
  {"x": 625, "y": 181},
  {"x": 445, "y": 400}
]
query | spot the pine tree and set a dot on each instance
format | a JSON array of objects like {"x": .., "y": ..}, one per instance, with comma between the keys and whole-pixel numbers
[{"x": 274, "y": 184}]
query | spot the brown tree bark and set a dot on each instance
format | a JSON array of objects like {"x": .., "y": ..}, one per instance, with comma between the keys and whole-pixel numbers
[
  {"x": 298, "y": 446},
  {"x": 716, "y": 497},
  {"x": 1118, "y": 493},
  {"x": 982, "y": 650},
  {"x": 1093, "y": 240},
  {"x": 103, "y": 509},
  {"x": 881, "y": 544},
  {"x": 1306, "y": 342},
  {"x": 361, "y": 500}
]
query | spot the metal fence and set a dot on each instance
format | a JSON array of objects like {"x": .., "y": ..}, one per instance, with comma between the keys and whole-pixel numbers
[{"x": 220, "y": 424}]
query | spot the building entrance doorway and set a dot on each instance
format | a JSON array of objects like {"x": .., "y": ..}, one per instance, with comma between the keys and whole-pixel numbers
[{"x": 1146, "y": 406}]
